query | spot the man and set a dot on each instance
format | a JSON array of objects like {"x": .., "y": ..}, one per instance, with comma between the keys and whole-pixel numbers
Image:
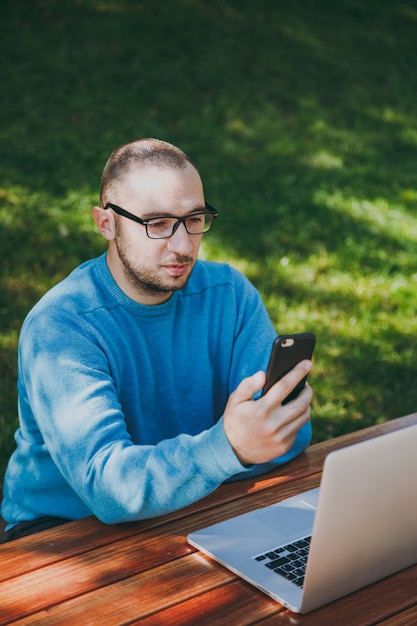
[{"x": 138, "y": 373}]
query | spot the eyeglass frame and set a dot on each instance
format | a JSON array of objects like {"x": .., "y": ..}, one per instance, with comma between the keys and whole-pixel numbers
[{"x": 180, "y": 220}]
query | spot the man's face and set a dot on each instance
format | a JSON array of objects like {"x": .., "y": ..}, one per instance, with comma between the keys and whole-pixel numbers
[{"x": 149, "y": 270}]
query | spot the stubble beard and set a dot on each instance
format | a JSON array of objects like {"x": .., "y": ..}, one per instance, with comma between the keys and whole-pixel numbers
[{"x": 145, "y": 281}]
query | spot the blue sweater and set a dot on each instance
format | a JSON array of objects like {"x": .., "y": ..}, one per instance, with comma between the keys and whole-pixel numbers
[{"x": 121, "y": 404}]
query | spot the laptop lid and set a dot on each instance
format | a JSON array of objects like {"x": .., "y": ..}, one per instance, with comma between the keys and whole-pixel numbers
[
  {"x": 365, "y": 526},
  {"x": 366, "y": 521}
]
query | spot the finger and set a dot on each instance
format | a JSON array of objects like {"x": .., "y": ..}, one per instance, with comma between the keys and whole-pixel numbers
[
  {"x": 248, "y": 387},
  {"x": 286, "y": 384},
  {"x": 305, "y": 396},
  {"x": 291, "y": 420},
  {"x": 298, "y": 411}
]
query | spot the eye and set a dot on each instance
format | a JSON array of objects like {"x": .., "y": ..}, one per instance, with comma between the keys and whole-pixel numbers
[
  {"x": 160, "y": 224},
  {"x": 196, "y": 219}
]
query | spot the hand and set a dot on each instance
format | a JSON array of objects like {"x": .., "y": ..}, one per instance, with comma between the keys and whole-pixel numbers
[{"x": 261, "y": 430}]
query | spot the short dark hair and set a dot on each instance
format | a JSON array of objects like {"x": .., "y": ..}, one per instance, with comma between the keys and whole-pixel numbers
[{"x": 139, "y": 152}]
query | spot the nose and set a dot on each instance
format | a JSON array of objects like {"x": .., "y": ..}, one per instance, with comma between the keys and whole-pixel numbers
[{"x": 180, "y": 241}]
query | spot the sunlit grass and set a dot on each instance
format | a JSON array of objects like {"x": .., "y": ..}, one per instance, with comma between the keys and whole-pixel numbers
[{"x": 379, "y": 215}]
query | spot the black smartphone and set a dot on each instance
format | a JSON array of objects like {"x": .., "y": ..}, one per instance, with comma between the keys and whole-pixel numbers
[{"x": 287, "y": 351}]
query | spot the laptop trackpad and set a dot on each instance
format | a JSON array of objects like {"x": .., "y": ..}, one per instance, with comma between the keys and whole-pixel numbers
[{"x": 287, "y": 520}]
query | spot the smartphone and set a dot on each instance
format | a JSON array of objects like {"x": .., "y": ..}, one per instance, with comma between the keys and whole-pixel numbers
[{"x": 287, "y": 351}]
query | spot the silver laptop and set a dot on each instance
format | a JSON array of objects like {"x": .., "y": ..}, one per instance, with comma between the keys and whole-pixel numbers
[{"x": 358, "y": 527}]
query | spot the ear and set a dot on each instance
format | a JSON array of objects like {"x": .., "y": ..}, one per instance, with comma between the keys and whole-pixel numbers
[{"x": 105, "y": 222}]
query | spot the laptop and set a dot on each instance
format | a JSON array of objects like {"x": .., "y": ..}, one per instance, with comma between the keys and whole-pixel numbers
[{"x": 359, "y": 526}]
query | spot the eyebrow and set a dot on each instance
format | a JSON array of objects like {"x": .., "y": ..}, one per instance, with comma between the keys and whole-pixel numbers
[{"x": 152, "y": 214}]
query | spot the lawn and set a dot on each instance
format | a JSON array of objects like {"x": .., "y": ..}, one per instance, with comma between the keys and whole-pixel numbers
[{"x": 302, "y": 118}]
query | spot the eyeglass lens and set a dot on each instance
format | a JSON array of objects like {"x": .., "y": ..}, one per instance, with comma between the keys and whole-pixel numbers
[{"x": 162, "y": 227}]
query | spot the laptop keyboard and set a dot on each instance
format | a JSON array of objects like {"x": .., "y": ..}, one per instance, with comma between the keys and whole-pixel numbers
[{"x": 289, "y": 561}]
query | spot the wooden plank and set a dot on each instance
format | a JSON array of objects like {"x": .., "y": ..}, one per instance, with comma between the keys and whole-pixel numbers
[
  {"x": 191, "y": 591},
  {"x": 384, "y": 600},
  {"x": 137, "y": 596},
  {"x": 81, "y": 574},
  {"x": 406, "y": 618},
  {"x": 235, "y": 603},
  {"x": 56, "y": 544}
]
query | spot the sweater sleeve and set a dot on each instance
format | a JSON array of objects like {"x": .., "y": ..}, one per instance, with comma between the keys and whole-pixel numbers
[{"x": 65, "y": 380}]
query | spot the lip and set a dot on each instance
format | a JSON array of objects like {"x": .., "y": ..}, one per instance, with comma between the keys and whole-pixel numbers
[{"x": 177, "y": 269}]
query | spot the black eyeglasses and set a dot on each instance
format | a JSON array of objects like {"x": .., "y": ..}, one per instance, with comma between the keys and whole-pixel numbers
[{"x": 165, "y": 226}]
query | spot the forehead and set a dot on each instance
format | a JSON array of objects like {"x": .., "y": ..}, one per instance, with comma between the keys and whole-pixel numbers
[{"x": 151, "y": 184}]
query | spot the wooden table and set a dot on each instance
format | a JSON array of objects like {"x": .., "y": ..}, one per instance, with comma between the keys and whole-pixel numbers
[{"x": 145, "y": 573}]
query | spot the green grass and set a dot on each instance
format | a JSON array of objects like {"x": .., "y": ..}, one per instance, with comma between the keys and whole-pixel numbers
[{"x": 302, "y": 117}]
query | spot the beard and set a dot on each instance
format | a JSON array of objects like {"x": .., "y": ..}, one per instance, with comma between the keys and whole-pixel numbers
[{"x": 146, "y": 281}]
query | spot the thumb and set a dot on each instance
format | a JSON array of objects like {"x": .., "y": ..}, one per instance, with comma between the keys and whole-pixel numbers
[{"x": 248, "y": 387}]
